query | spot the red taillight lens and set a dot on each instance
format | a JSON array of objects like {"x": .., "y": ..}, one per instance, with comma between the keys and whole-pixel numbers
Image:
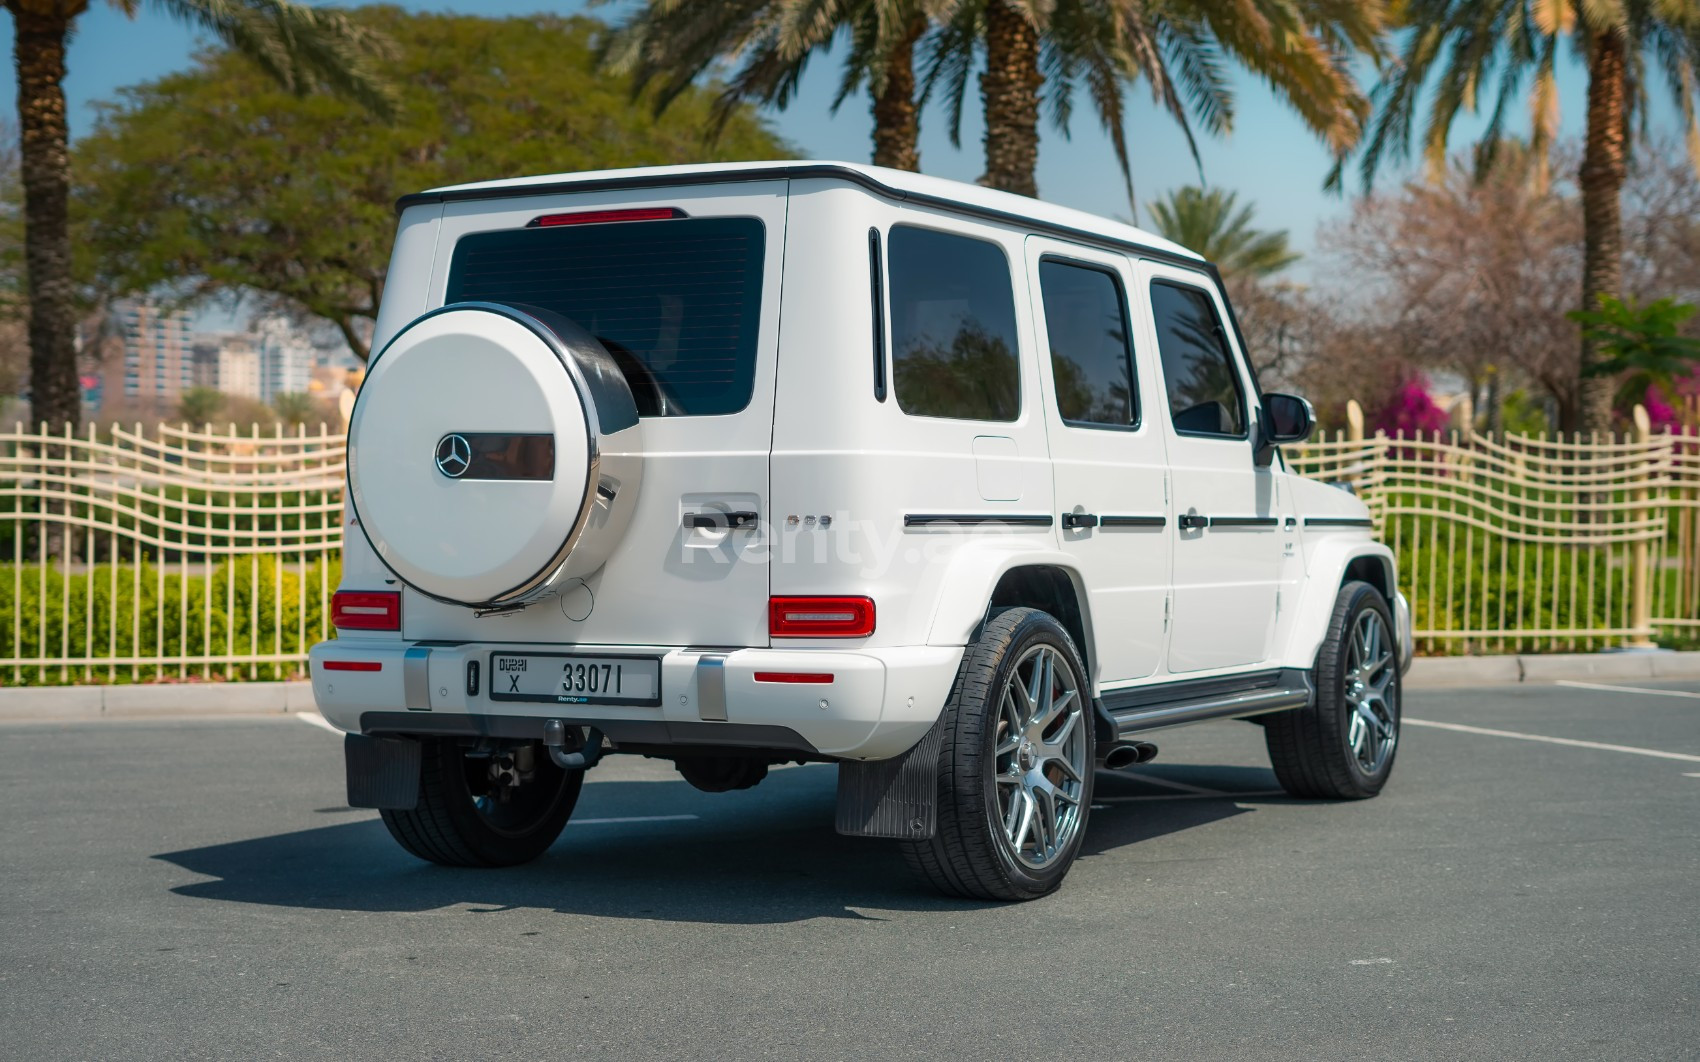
[
  {"x": 601, "y": 217},
  {"x": 820, "y": 617},
  {"x": 809, "y": 677},
  {"x": 366, "y": 610},
  {"x": 354, "y": 665}
]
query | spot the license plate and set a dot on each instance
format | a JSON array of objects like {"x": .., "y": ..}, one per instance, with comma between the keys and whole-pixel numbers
[{"x": 562, "y": 678}]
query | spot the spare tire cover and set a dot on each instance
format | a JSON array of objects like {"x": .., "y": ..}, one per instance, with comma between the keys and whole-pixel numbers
[{"x": 473, "y": 449}]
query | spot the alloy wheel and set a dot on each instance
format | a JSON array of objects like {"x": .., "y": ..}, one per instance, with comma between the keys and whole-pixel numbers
[
  {"x": 1040, "y": 761},
  {"x": 1370, "y": 691}
]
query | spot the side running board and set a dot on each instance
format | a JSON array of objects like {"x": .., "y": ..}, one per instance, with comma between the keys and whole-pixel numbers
[{"x": 1195, "y": 700}]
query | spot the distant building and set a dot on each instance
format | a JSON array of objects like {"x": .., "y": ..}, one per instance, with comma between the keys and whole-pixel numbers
[
  {"x": 157, "y": 363},
  {"x": 286, "y": 358}
]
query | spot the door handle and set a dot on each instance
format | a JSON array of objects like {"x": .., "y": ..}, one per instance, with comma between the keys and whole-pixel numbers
[
  {"x": 712, "y": 520},
  {"x": 1193, "y": 522},
  {"x": 1079, "y": 520}
]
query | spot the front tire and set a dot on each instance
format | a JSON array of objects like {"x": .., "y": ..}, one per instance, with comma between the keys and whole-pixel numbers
[
  {"x": 1015, "y": 764},
  {"x": 463, "y": 820},
  {"x": 1341, "y": 748}
]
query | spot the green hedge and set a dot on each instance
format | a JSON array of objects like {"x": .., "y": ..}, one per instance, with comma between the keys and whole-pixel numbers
[{"x": 240, "y": 598}]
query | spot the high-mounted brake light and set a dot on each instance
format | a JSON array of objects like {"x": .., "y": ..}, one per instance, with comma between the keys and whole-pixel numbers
[
  {"x": 366, "y": 610},
  {"x": 600, "y": 217},
  {"x": 820, "y": 617}
]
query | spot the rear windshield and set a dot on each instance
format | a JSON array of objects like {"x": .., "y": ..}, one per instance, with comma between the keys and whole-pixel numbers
[{"x": 676, "y": 302}]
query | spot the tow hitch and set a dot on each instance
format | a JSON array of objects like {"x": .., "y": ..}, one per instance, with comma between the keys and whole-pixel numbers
[{"x": 555, "y": 740}]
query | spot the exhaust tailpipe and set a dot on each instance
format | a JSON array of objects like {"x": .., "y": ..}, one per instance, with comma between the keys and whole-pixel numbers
[{"x": 1126, "y": 755}]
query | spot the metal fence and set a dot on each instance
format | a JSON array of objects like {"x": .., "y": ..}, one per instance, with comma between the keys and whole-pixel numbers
[
  {"x": 1531, "y": 543},
  {"x": 130, "y": 555}
]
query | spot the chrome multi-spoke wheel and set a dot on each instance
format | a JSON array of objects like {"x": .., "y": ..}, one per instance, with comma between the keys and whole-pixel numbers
[
  {"x": 1342, "y": 746},
  {"x": 1373, "y": 728},
  {"x": 1015, "y": 757},
  {"x": 1040, "y": 765}
]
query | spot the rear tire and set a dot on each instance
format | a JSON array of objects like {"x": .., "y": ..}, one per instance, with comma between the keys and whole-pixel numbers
[
  {"x": 1015, "y": 764},
  {"x": 454, "y": 826},
  {"x": 1342, "y": 747}
]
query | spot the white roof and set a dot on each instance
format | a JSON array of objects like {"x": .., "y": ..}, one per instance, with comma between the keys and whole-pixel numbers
[{"x": 970, "y": 195}]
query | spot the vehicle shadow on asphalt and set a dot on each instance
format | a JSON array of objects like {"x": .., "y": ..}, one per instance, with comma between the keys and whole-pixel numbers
[{"x": 768, "y": 855}]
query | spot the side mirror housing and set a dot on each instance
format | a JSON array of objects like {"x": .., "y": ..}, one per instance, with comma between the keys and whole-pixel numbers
[{"x": 1286, "y": 419}]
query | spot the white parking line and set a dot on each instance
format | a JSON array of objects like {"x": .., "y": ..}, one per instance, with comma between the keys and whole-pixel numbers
[
  {"x": 631, "y": 818},
  {"x": 315, "y": 719},
  {"x": 1461, "y": 728},
  {"x": 1626, "y": 689},
  {"x": 1182, "y": 786},
  {"x": 1096, "y": 800}
]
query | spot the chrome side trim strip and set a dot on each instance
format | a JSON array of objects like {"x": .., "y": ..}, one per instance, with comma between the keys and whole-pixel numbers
[{"x": 1230, "y": 706}]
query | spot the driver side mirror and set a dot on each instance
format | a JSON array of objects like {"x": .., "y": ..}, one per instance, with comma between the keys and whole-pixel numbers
[{"x": 1286, "y": 419}]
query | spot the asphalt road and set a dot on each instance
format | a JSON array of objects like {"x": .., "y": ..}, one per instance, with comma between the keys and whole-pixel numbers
[{"x": 197, "y": 889}]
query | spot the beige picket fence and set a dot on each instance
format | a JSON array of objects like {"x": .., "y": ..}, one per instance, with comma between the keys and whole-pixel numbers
[
  {"x": 130, "y": 555},
  {"x": 171, "y": 553}
]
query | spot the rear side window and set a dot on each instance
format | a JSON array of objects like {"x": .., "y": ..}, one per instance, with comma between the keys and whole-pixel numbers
[
  {"x": 953, "y": 344},
  {"x": 677, "y": 303},
  {"x": 1205, "y": 397},
  {"x": 1086, "y": 327}
]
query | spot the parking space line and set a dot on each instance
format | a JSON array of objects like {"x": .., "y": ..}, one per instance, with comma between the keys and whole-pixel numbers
[
  {"x": 1626, "y": 689},
  {"x": 1189, "y": 796},
  {"x": 1461, "y": 728},
  {"x": 1182, "y": 786},
  {"x": 315, "y": 719},
  {"x": 631, "y": 818}
]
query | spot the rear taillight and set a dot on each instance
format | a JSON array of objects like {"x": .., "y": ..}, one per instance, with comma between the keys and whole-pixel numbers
[
  {"x": 820, "y": 617},
  {"x": 603, "y": 217},
  {"x": 366, "y": 610}
]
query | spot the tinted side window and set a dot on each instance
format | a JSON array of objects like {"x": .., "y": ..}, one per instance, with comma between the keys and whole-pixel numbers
[
  {"x": 677, "y": 303},
  {"x": 1198, "y": 368},
  {"x": 953, "y": 344},
  {"x": 1086, "y": 326}
]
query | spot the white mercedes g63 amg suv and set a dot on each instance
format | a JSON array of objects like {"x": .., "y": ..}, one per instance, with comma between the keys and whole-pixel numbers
[{"x": 738, "y": 465}]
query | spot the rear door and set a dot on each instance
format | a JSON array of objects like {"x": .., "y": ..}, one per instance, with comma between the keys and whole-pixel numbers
[
  {"x": 1107, "y": 450},
  {"x": 683, "y": 289},
  {"x": 1227, "y": 540}
]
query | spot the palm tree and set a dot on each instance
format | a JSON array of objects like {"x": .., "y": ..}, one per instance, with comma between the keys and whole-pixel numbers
[
  {"x": 670, "y": 43},
  {"x": 1477, "y": 49},
  {"x": 1180, "y": 48},
  {"x": 1207, "y": 222},
  {"x": 302, "y": 47}
]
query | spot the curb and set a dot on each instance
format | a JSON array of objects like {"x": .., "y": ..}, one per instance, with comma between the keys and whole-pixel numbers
[
  {"x": 1441, "y": 672},
  {"x": 49, "y": 703}
]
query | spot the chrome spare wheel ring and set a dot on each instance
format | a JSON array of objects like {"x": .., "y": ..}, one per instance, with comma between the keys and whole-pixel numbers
[
  {"x": 1040, "y": 761},
  {"x": 1370, "y": 692}
]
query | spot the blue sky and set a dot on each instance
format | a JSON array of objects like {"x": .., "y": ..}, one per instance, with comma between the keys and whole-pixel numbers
[{"x": 1269, "y": 158}]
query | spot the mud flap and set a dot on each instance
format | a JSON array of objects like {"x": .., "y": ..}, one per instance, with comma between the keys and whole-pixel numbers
[
  {"x": 892, "y": 798},
  {"x": 383, "y": 772}
]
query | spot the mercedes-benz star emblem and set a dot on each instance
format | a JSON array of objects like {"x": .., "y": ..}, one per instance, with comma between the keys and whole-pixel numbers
[{"x": 454, "y": 456}]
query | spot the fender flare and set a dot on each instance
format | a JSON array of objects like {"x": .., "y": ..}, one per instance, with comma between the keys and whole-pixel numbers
[
  {"x": 965, "y": 592},
  {"x": 1325, "y": 571}
]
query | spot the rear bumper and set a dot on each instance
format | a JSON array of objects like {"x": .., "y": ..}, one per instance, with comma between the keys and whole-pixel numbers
[{"x": 878, "y": 704}]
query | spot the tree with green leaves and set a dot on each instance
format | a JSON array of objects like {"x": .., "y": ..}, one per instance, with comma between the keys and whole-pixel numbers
[
  {"x": 199, "y": 405},
  {"x": 1213, "y": 223},
  {"x": 213, "y": 182},
  {"x": 1458, "y": 53},
  {"x": 295, "y": 407},
  {"x": 1640, "y": 345},
  {"x": 669, "y": 44},
  {"x": 1042, "y": 52},
  {"x": 298, "y": 47}
]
